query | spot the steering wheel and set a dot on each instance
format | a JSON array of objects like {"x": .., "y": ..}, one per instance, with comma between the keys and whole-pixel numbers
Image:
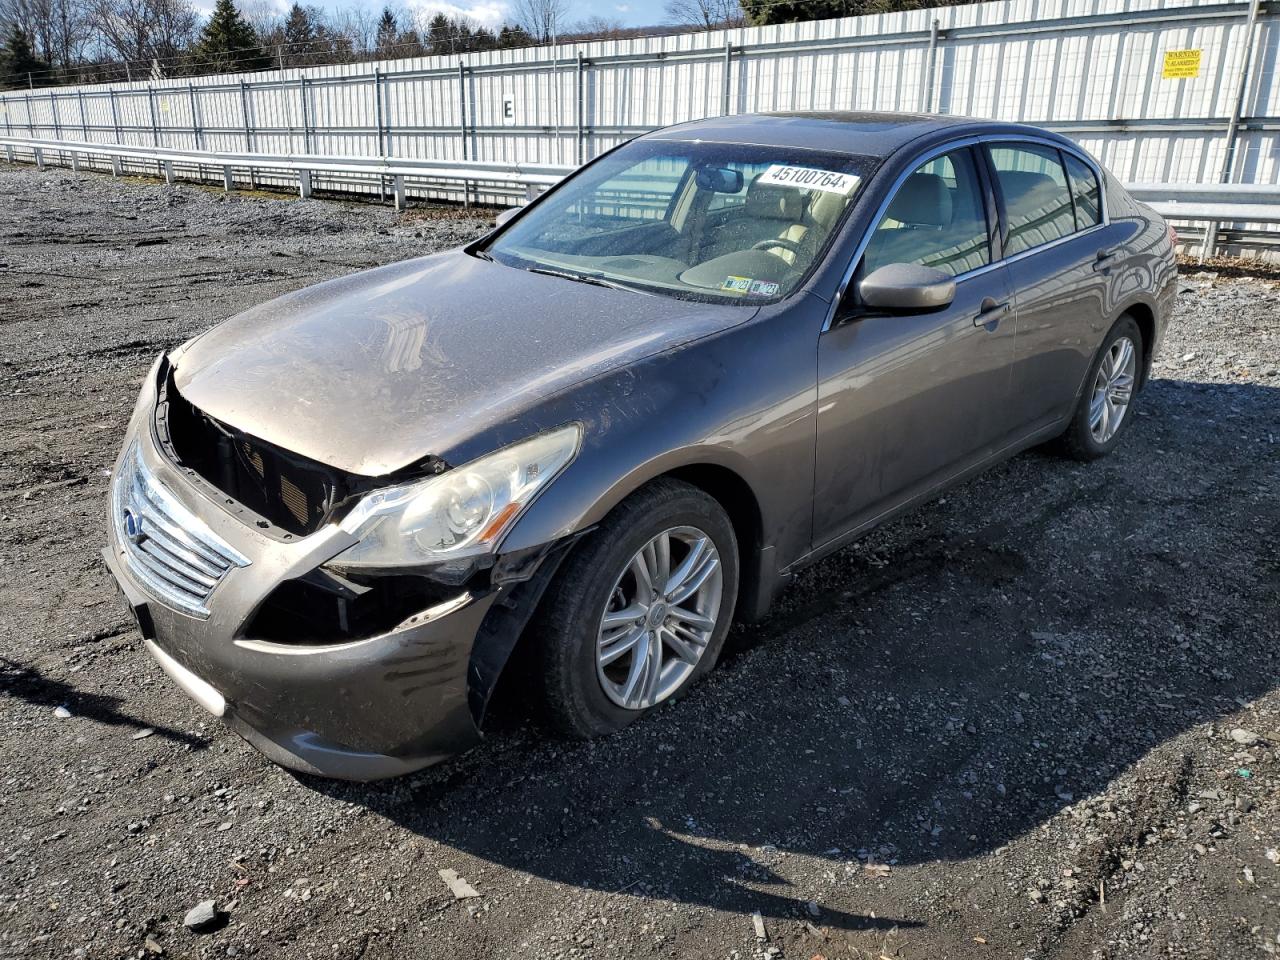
[{"x": 779, "y": 242}]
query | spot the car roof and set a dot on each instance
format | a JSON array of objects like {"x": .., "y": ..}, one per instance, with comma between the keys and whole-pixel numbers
[{"x": 866, "y": 133}]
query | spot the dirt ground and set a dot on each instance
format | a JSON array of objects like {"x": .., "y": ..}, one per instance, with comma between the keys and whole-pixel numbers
[{"x": 1036, "y": 719}]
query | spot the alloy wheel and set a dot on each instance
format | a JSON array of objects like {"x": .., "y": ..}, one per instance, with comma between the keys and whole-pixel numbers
[
  {"x": 660, "y": 618},
  {"x": 1112, "y": 389}
]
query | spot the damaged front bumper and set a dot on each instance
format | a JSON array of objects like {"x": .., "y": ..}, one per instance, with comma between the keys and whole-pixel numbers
[{"x": 375, "y": 706}]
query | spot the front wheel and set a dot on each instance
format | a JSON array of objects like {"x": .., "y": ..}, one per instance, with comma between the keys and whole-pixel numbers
[
  {"x": 1105, "y": 409},
  {"x": 639, "y": 611}
]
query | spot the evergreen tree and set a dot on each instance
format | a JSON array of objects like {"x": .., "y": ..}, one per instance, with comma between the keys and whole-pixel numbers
[
  {"x": 228, "y": 43},
  {"x": 301, "y": 35},
  {"x": 440, "y": 34},
  {"x": 18, "y": 62},
  {"x": 299, "y": 28},
  {"x": 388, "y": 31},
  {"x": 514, "y": 36}
]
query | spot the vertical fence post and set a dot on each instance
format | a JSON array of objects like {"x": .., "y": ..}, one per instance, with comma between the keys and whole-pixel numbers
[
  {"x": 379, "y": 149},
  {"x": 1210, "y": 244},
  {"x": 31, "y": 127},
  {"x": 306, "y": 120},
  {"x": 151, "y": 109},
  {"x": 930, "y": 70},
  {"x": 728, "y": 74},
  {"x": 462, "y": 126},
  {"x": 155, "y": 127},
  {"x": 197, "y": 135},
  {"x": 115, "y": 115},
  {"x": 84, "y": 123},
  {"x": 377, "y": 116},
  {"x": 580, "y": 98},
  {"x": 57, "y": 124},
  {"x": 248, "y": 132}
]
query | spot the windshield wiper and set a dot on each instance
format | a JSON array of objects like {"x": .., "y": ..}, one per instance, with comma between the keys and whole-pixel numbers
[{"x": 594, "y": 279}]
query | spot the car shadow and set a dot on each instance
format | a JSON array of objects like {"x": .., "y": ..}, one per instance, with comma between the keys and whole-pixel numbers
[
  {"x": 931, "y": 694},
  {"x": 27, "y": 683}
]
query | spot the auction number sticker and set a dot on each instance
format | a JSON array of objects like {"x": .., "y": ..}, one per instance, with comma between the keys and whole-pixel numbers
[{"x": 810, "y": 178}]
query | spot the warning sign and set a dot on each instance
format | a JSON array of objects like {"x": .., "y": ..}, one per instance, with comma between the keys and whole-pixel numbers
[{"x": 1181, "y": 64}]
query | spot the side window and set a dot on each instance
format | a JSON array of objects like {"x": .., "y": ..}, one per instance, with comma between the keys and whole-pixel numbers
[
  {"x": 1037, "y": 200},
  {"x": 937, "y": 218},
  {"x": 1084, "y": 187}
]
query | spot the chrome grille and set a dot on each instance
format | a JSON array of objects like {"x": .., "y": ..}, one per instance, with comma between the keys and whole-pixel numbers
[{"x": 170, "y": 551}]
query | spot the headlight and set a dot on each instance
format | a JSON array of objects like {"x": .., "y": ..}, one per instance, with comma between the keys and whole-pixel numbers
[{"x": 459, "y": 514}]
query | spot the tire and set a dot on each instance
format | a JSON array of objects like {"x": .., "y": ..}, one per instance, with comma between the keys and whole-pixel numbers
[
  {"x": 1082, "y": 441},
  {"x": 599, "y": 577}
]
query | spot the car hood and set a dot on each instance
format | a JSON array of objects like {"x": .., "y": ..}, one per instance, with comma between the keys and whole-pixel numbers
[{"x": 374, "y": 371}]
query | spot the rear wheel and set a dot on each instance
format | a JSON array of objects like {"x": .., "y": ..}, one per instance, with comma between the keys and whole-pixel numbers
[
  {"x": 639, "y": 611},
  {"x": 1105, "y": 408}
]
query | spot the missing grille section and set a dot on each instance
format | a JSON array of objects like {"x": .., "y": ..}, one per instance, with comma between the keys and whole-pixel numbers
[
  {"x": 289, "y": 491},
  {"x": 323, "y": 609}
]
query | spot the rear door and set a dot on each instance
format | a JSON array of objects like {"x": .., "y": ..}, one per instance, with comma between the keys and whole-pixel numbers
[
  {"x": 907, "y": 400},
  {"x": 1061, "y": 254}
]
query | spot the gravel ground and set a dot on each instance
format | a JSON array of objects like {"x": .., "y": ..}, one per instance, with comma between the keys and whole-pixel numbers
[{"x": 1038, "y": 718}]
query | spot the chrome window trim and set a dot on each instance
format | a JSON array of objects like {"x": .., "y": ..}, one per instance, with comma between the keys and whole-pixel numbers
[{"x": 985, "y": 140}]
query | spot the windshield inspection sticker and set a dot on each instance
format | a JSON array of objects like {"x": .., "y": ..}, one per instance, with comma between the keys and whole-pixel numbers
[
  {"x": 809, "y": 178},
  {"x": 752, "y": 288}
]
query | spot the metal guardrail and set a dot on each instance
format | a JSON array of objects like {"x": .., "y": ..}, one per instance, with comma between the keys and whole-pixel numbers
[
  {"x": 531, "y": 176},
  {"x": 1212, "y": 202},
  {"x": 1209, "y": 203}
]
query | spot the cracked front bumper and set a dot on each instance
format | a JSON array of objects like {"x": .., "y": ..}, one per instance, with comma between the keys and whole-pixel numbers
[{"x": 360, "y": 710}]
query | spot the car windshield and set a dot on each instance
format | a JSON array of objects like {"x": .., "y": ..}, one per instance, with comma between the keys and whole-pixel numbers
[{"x": 701, "y": 221}]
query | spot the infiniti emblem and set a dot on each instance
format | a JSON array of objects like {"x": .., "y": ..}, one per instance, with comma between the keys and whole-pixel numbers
[{"x": 133, "y": 527}]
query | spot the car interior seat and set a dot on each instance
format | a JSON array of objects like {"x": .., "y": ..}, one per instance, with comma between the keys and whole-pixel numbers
[{"x": 769, "y": 212}]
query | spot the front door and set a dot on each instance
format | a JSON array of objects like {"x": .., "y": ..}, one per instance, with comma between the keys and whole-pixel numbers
[{"x": 907, "y": 400}]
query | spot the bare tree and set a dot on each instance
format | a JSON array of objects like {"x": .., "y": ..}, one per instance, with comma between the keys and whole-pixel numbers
[
  {"x": 146, "y": 29},
  {"x": 706, "y": 14},
  {"x": 263, "y": 15},
  {"x": 359, "y": 25},
  {"x": 60, "y": 30},
  {"x": 542, "y": 19},
  {"x": 598, "y": 28}
]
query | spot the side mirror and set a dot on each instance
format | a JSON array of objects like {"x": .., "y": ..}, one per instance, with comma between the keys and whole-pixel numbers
[
  {"x": 908, "y": 287},
  {"x": 505, "y": 215}
]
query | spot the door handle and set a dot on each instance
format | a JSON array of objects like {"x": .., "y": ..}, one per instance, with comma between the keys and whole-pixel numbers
[
  {"x": 1106, "y": 259},
  {"x": 991, "y": 313}
]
